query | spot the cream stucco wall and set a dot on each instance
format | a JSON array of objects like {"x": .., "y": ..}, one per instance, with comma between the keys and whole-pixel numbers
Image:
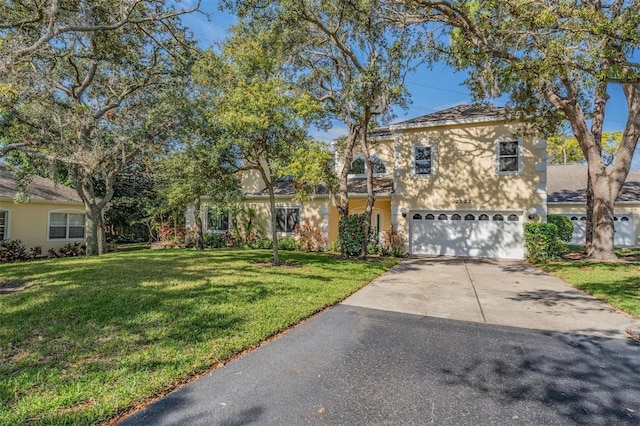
[
  {"x": 465, "y": 177},
  {"x": 317, "y": 211},
  {"x": 580, "y": 209},
  {"x": 29, "y": 222}
]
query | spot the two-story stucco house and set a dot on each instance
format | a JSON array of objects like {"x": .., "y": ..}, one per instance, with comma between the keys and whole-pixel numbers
[{"x": 462, "y": 182}]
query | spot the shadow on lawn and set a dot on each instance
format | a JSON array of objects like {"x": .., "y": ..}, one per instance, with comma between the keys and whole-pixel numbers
[{"x": 132, "y": 311}]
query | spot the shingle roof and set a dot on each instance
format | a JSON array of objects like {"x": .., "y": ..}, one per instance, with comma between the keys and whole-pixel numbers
[
  {"x": 568, "y": 184},
  {"x": 381, "y": 185},
  {"x": 40, "y": 189},
  {"x": 380, "y": 133},
  {"x": 464, "y": 113}
]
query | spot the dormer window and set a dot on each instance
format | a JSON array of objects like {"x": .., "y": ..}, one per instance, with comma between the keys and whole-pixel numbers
[{"x": 358, "y": 166}]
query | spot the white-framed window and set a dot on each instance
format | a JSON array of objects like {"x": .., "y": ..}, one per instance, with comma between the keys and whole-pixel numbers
[
  {"x": 509, "y": 159},
  {"x": 358, "y": 167},
  {"x": 4, "y": 225},
  {"x": 66, "y": 226},
  {"x": 424, "y": 156},
  {"x": 287, "y": 218},
  {"x": 217, "y": 222}
]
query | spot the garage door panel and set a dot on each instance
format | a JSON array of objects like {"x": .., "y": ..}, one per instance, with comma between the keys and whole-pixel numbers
[
  {"x": 469, "y": 238},
  {"x": 624, "y": 226}
]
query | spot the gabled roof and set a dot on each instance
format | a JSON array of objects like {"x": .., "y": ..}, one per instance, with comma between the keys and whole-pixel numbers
[
  {"x": 456, "y": 115},
  {"x": 460, "y": 114},
  {"x": 381, "y": 185},
  {"x": 39, "y": 190},
  {"x": 567, "y": 183}
]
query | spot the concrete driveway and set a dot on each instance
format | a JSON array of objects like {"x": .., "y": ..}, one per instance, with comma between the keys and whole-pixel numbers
[
  {"x": 501, "y": 292},
  {"x": 434, "y": 341}
]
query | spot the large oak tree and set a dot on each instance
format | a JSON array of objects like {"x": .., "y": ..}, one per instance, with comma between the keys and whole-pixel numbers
[{"x": 85, "y": 84}]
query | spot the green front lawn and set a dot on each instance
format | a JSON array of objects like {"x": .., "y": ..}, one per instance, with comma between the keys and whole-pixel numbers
[
  {"x": 84, "y": 339},
  {"x": 617, "y": 283}
]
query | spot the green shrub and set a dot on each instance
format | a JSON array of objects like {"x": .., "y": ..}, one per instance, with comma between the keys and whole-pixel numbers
[
  {"x": 214, "y": 240},
  {"x": 564, "y": 225},
  {"x": 12, "y": 251},
  {"x": 541, "y": 240},
  {"x": 334, "y": 246},
  {"x": 351, "y": 234},
  {"x": 264, "y": 243},
  {"x": 287, "y": 243}
]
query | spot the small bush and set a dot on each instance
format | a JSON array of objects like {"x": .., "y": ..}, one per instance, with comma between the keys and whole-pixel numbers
[
  {"x": 335, "y": 246},
  {"x": 541, "y": 240},
  {"x": 351, "y": 234},
  {"x": 214, "y": 240},
  {"x": 68, "y": 250},
  {"x": 309, "y": 238},
  {"x": 35, "y": 252},
  {"x": 393, "y": 243},
  {"x": 264, "y": 243},
  {"x": 287, "y": 243},
  {"x": 564, "y": 225},
  {"x": 12, "y": 251}
]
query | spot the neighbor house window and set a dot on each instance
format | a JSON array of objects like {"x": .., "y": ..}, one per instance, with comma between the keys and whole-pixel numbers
[
  {"x": 66, "y": 226},
  {"x": 217, "y": 222},
  {"x": 508, "y": 158},
  {"x": 287, "y": 219},
  {"x": 423, "y": 160},
  {"x": 3, "y": 225}
]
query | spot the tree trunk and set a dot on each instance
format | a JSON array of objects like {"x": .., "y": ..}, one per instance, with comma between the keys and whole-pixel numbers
[
  {"x": 199, "y": 227},
  {"x": 597, "y": 122},
  {"x": 588, "y": 237},
  {"x": 267, "y": 178},
  {"x": 342, "y": 197},
  {"x": 371, "y": 197},
  {"x": 95, "y": 237},
  {"x": 274, "y": 230},
  {"x": 603, "y": 230},
  {"x": 92, "y": 224}
]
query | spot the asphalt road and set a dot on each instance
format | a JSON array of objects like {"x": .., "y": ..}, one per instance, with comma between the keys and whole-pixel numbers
[{"x": 359, "y": 366}]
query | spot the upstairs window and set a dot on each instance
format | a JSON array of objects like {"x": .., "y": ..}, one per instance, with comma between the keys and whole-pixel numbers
[
  {"x": 66, "y": 226},
  {"x": 423, "y": 161},
  {"x": 508, "y": 157},
  {"x": 287, "y": 219},
  {"x": 358, "y": 166}
]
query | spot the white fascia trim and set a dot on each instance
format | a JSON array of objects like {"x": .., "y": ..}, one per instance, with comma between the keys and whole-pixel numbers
[
  {"x": 55, "y": 203},
  {"x": 418, "y": 210},
  {"x": 381, "y": 139},
  {"x": 378, "y": 195},
  {"x": 401, "y": 126},
  {"x": 578, "y": 203}
]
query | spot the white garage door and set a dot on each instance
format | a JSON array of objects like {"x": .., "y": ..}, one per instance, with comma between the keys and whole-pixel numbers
[
  {"x": 624, "y": 226},
  {"x": 469, "y": 234}
]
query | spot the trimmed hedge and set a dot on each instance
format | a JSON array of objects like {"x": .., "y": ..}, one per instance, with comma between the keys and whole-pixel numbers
[
  {"x": 541, "y": 240},
  {"x": 564, "y": 225}
]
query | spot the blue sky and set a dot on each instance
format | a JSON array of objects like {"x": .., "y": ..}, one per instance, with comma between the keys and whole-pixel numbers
[{"x": 432, "y": 89}]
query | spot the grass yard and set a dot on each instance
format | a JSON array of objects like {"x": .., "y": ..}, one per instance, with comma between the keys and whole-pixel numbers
[
  {"x": 84, "y": 339},
  {"x": 618, "y": 283}
]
